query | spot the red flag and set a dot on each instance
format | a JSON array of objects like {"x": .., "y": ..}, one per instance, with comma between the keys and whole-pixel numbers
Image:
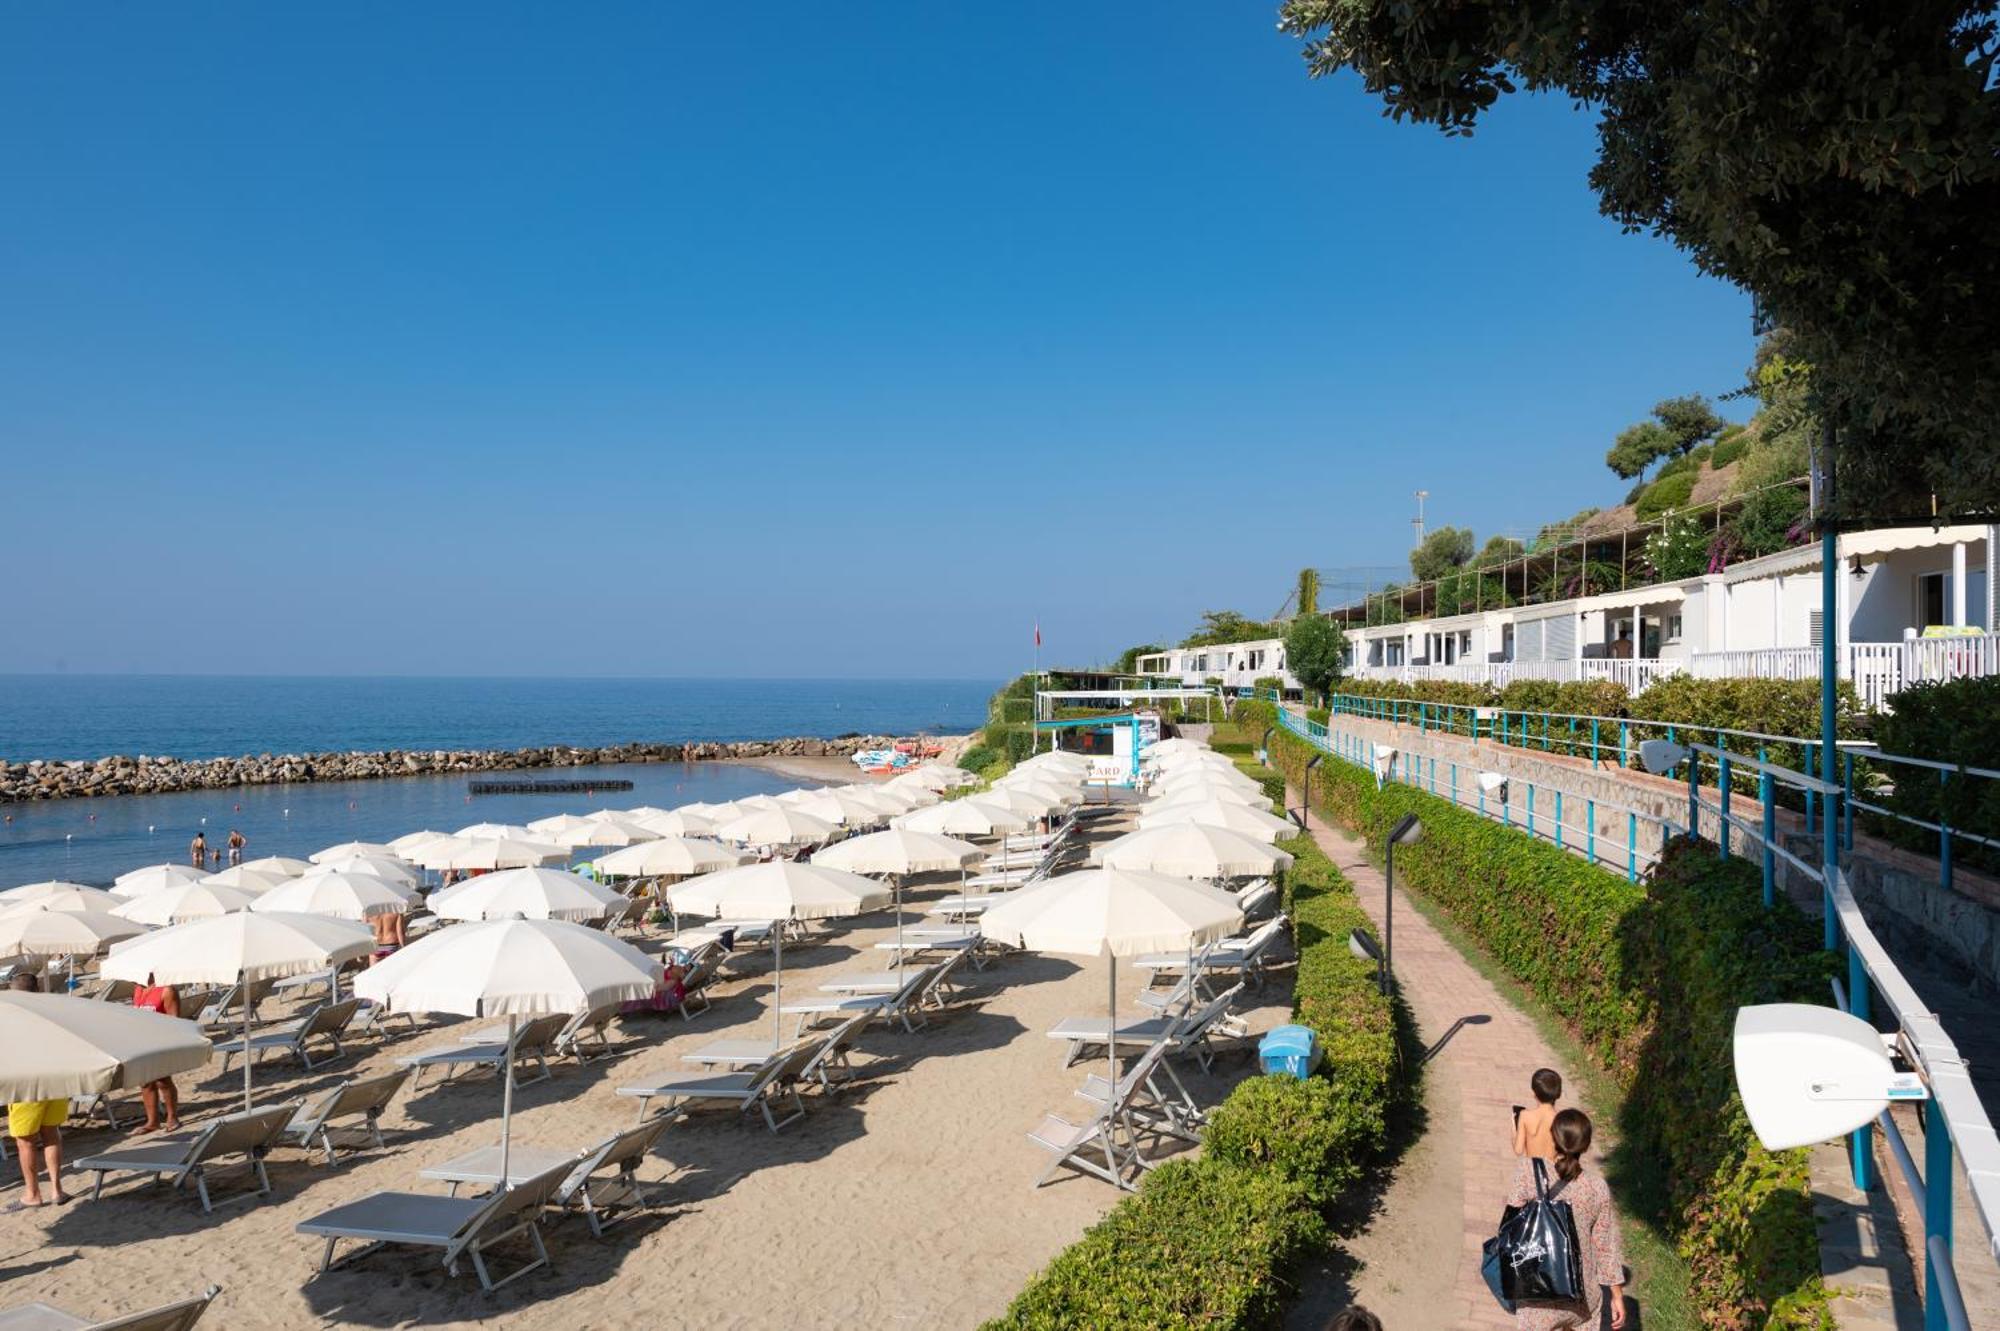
[{"x": 1038, "y": 633}]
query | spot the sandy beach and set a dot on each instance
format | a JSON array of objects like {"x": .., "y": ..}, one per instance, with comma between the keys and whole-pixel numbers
[{"x": 906, "y": 1200}]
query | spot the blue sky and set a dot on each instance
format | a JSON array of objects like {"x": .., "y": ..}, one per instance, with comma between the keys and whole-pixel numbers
[{"x": 799, "y": 340}]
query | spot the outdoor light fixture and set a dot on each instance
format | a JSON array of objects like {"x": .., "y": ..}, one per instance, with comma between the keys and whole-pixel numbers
[
  {"x": 1660, "y": 756},
  {"x": 1407, "y": 832},
  {"x": 1264, "y": 746},
  {"x": 1305, "y": 808},
  {"x": 1385, "y": 762},
  {"x": 1810, "y": 1074},
  {"x": 1363, "y": 945},
  {"x": 1494, "y": 784}
]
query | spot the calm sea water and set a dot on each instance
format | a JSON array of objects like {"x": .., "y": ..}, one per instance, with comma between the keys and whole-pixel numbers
[
  {"x": 62, "y": 717},
  {"x": 89, "y": 716}
]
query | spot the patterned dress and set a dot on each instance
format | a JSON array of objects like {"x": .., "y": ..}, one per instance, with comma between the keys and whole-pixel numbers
[{"x": 1597, "y": 1235}]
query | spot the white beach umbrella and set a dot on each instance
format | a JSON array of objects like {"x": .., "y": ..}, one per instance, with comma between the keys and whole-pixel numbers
[
  {"x": 1192, "y": 850},
  {"x": 1025, "y": 800},
  {"x": 1183, "y": 764},
  {"x": 1176, "y": 744},
  {"x": 1201, "y": 791},
  {"x": 939, "y": 776},
  {"x": 247, "y": 879},
  {"x": 780, "y": 890},
  {"x": 701, "y": 810},
  {"x": 899, "y": 852},
  {"x": 282, "y": 866},
  {"x": 154, "y": 877},
  {"x": 59, "y": 1047},
  {"x": 1055, "y": 760},
  {"x": 32, "y": 932},
  {"x": 347, "y": 850},
  {"x": 344, "y": 896},
  {"x": 672, "y": 856},
  {"x": 189, "y": 901},
  {"x": 881, "y": 799},
  {"x": 779, "y": 826},
  {"x": 534, "y": 894},
  {"x": 718, "y": 814},
  {"x": 409, "y": 841},
  {"x": 238, "y": 948},
  {"x": 915, "y": 794},
  {"x": 487, "y": 831},
  {"x": 485, "y": 853},
  {"x": 1066, "y": 789},
  {"x": 837, "y": 806},
  {"x": 1243, "y": 818},
  {"x": 512, "y": 969},
  {"x": 545, "y": 828},
  {"x": 603, "y": 832},
  {"x": 396, "y": 871},
  {"x": 1113, "y": 913},
  {"x": 55, "y": 895},
  {"x": 966, "y": 817},
  {"x": 676, "y": 823},
  {"x": 632, "y": 815}
]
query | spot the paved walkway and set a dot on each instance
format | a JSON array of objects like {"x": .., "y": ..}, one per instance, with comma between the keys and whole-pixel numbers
[{"x": 1489, "y": 1050}]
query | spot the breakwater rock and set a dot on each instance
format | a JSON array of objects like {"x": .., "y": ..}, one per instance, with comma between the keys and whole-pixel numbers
[{"x": 158, "y": 774}]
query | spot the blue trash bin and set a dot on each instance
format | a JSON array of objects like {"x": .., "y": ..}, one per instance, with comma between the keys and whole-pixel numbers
[{"x": 1292, "y": 1050}]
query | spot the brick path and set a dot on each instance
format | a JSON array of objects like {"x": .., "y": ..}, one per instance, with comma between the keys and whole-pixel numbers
[{"x": 1491, "y": 1060}]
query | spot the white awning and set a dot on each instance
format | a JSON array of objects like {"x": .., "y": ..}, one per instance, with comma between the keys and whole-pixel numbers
[
  {"x": 1636, "y": 597},
  {"x": 1853, "y": 545}
]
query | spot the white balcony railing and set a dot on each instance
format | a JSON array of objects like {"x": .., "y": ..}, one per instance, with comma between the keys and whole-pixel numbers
[{"x": 1878, "y": 670}]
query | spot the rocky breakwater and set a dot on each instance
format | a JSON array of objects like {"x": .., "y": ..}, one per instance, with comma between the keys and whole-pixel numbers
[{"x": 157, "y": 774}]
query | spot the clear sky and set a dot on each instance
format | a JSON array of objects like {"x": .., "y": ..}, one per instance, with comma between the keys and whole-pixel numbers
[{"x": 791, "y": 340}]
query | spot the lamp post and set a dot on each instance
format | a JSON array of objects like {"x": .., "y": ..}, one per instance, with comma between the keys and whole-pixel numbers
[
  {"x": 1407, "y": 832},
  {"x": 1305, "y": 809}
]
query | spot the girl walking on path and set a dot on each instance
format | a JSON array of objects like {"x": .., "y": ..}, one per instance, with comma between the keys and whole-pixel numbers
[{"x": 1603, "y": 1247}]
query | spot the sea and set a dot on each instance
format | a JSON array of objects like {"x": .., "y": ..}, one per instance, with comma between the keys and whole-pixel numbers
[{"x": 90, "y": 716}]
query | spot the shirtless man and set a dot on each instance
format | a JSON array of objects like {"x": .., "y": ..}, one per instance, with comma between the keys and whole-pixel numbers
[
  {"x": 389, "y": 935},
  {"x": 236, "y": 844},
  {"x": 198, "y": 850}
]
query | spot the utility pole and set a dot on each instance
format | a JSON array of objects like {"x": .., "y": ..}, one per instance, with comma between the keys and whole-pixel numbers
[{"x": 1417, "y": 523}]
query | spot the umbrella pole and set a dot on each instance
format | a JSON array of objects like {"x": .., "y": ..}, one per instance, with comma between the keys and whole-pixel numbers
[
  {"x": 1111, "y": 1040},
  {"x": 778, "y": 987},
  {"x": 896, "y": 881},
  {"x": 243, "y": 1001},
  {"x": 507, "y": 1108}
]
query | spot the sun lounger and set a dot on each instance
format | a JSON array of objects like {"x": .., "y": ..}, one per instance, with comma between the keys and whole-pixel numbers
[
  {"x": 188, "y": 1157},
  {"x": 775, "y": 1080},
  {"x": 901, "y": 1005},
  {"x": 325, "y": 1022},
  {"x": 373, "y": 1019},
  {"x": 112, "y": 991},
  {"x": 464, "y": 1227},
  {"x": 701, "y": 974},
  {"x": 574, "y": 1039},
  {"x": 867, "y": 982},
  {"x": 1245, "y": 955},
  {"x": 1104, "y": 1146},
  {"x": 1256, "y": 897},
  {"x": 167, "y": 1317},
  {"x": 227, "y": 1010},
  {"x": 619, "y": 1155},
  {"x": 85, "y": 1109},
  {"x": 1162, "y": 1103},
  {"x": 1187, "y": 1030},
  {"x": 532, "y": 1040},
  {"x": 736, "y": 1053},
  {"x": 318, "y": 1118}
]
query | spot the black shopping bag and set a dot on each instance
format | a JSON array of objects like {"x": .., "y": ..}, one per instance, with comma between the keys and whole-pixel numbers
[{"x": 1537, "y": 1248}]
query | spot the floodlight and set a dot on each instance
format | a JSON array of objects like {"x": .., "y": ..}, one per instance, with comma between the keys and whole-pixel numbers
[
  {"x": 1810, "y": 1074},
  {"x": 1385, "y": 761},
  {"x": 1493, "y": 782},
  {"x": 1407, "y": 832},
  {"x": 1362, "y": 944},
  {"x": 1660, "y": 756}
]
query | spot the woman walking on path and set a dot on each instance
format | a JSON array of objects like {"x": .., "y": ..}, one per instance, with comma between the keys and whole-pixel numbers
[{"x": 1597, "y": 1234}]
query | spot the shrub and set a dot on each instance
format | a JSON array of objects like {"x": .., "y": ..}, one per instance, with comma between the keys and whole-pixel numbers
[
  {"x": 1667, "y": 493},
  {"x": 978, "y": 758},
  {"x": 1648, "y": 976},
  {"x": 1306, "y": 1133},
  {"x": 1729, "y": 448},
  {"x": 1202, "y": 1244},
  {"x": 1768, "y": 521},
  {"x": 1956, "y": 722},
  {"x": 1015, "y": 710}
]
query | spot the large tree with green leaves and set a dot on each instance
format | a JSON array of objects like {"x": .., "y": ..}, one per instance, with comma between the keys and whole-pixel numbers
[
  {"x": 1678, "y": 426},
  {"x": 1442, "y": 551},
  {"x": 1307, "y": 593},
  {"x": 1839, "y": 161},
  {"x": 1219, "y": 626},
  {"x": 1314, "y": 651}
]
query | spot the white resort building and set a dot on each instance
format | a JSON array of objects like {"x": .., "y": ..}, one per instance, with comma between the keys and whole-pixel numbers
[{"x": 1916, "y": 603}]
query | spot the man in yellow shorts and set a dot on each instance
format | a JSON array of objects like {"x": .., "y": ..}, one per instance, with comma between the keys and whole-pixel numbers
[{"x": 36, "y": 1127}]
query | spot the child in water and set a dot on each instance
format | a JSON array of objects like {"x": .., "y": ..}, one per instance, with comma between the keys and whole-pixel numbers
[{"x": 1532, "y": 1123}]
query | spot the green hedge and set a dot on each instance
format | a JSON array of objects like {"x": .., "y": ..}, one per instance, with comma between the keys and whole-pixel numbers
[
  {"x": 1648, "y": 977},
  {"x": 1211, "y": 1242},
  {"x": 1956, "y": 722},
  {"x": 1663, "y": 495},
  {"x": 978, "y": 758}
]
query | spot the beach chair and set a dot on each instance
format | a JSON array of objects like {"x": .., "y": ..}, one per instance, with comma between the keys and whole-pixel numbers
[
  {"x": 701, "y": 973},
  {"x": 86, "y": 1109},
  {"x": 775, "y": 1080},
  {"x": 1256, "y": 897},
  {"x": 620, "y": 1155},
  {"x": 226, "y": 1010},
  {"x": 1103, "y": 1146},
  {"x": 318, "y": 1117},
  {"x": 325, "y": 1022},
  {"x": 167, "y": 1317},
  {"x": 898, "y": 1006},
  {"x": 574, "y": 1039},
  {"x": 1161, "y": 1105},
  {"x": 532, "y": 1040},
  {"x": 464, "y": 1227},
  {"x": 1246, "y": 955},
  {"x": 112, "y": 991},
  {"x": 188, "y": 1157},
  {"x": 829, "y": 1066},
  {"x": 373, "y": 1019},
  {"x": 1187, "y": 1030}
]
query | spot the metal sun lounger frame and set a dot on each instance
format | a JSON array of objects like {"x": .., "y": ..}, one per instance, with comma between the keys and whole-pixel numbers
[
  {"x": 1187, "y": 1032},
  {"x": 1077, "y": 1144},
  {"x": 187, "y": 1157},
  {"x": 459, "y": 1225},
  {"x": 367, "y": 1097},
  {"x": 532, "y": 1040},
  {"x": 324, "y": 1021},
  {"x": 775, "y": 1079},
  {"x": 177, "y": 1316}
]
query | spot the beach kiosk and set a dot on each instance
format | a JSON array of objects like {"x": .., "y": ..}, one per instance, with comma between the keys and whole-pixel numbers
[{"x": 1112, "y": 742}]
